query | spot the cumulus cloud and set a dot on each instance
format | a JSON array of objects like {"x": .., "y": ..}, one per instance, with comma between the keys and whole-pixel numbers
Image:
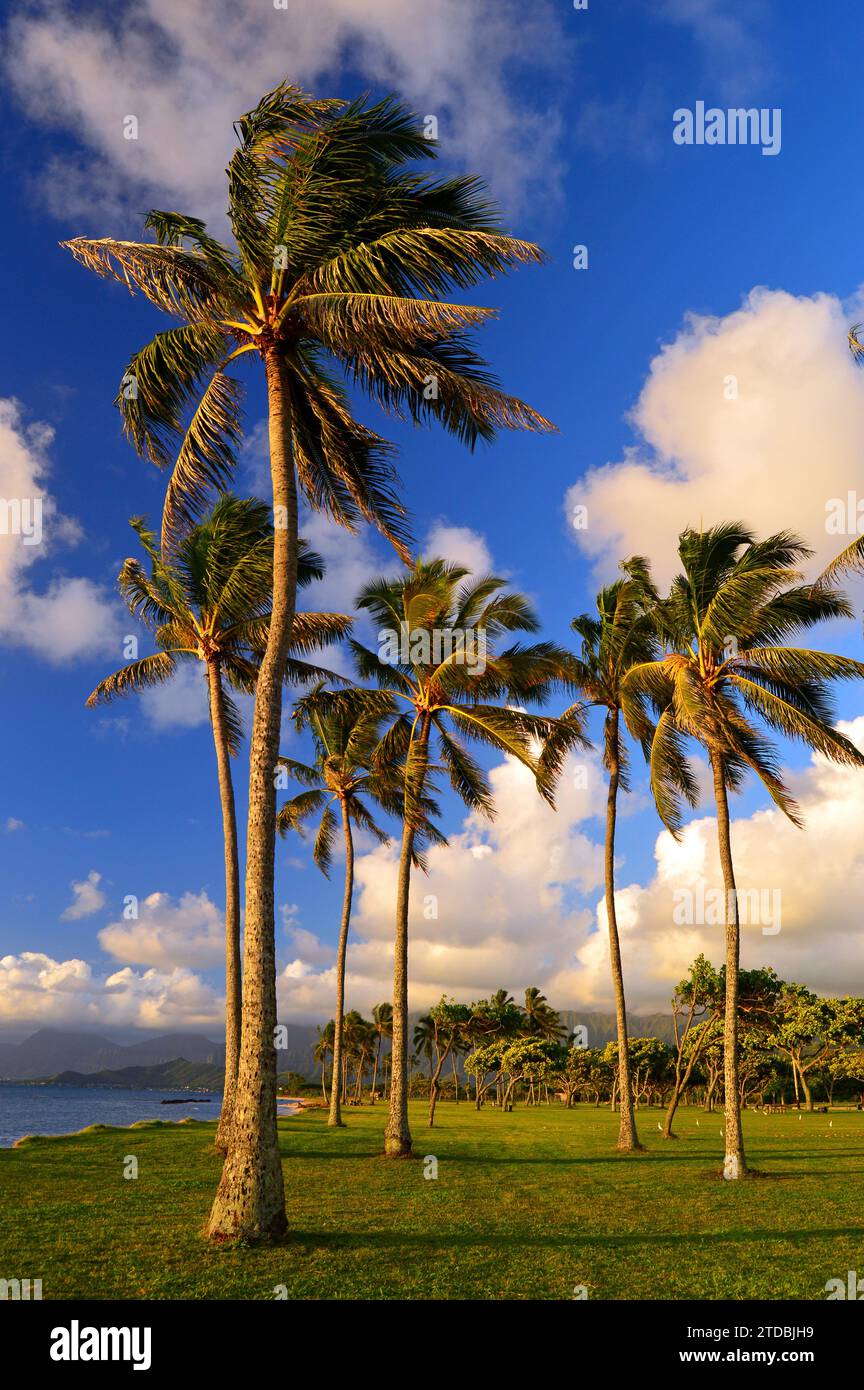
[
  {"x": 810, "y": 884},
  {"x": 87, "y": 898},
  {"x": 521, "y": 902},
  {"x": 169, "y": 934},
  {"x": 186, "y": 72},
  {"x": 460, "y": 545},
  {"x": 759, "y": 412},
  {"x": 505, "y": 904},
  {"x": 180, "y": 703},
  {"x": 38, "y": 991},
  {"x": 70, "y": 617}
]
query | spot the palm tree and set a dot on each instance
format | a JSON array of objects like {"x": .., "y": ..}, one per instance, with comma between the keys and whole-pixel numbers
[
  {"x": 323, "y": 1047},
  {"x": 447, "y": 697},
  {"x": 424, "y": 1038},
  {"x": 345, "y": 735},
  {"x": 541, "y": 1020},
  {"x": 382, "y": 1019},
  {"x": 725, "y": 680},
  {"x": 341, "y": 255},
  {"x": 621, "y": 635},
  {"x": 210, "y": 602}
]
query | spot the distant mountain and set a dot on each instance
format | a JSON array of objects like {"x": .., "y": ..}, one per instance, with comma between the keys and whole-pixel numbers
[
  {"x": 177, "y": 1075},
  {"x": 52, "y": 1051},
  {"x": 602, "y": 1028}
]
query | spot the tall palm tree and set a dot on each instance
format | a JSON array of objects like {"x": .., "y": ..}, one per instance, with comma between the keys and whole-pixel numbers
[
  {"x": 423, "y": 1041},
  {"x": 341, "y": 255},
  {"x": 541, "y": 1020},
  {"x": 382, "y": 1019},
  {"x": 343, "y": 777},
  {"x": 620, "y": 636},
  {"x": 440, "y": 699},
  {"x": 323, "y": 1048},
  {"x": 210, "y": 602},
  {"x": 726, "y": 680}
]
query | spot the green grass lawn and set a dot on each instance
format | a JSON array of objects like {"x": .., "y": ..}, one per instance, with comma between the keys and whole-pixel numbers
[{"x": 526, "y": 1205}]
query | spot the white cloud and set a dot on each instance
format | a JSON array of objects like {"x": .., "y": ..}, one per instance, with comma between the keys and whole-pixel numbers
[
  {"x": 735, "y": 56},
  {"x": 521, "y": 903},
  {"x": 38, "y": 991},
  {"x": 168, "y": 935},
  {"x": 13, "y": 824},
  {"x": 186, "y": 72},
  {"x": 72, "y": 617},
  {"x": 180, "y": 703},
  {"x": 460, "y": 545},
  {"x": 508, "y": 896},
  {"x": 87, "y": 898},
  {"x": 772, "y": 455},
  {"x": 818, "y": 873}
]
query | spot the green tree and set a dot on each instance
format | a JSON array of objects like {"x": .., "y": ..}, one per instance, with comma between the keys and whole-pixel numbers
[
  {"x": 338, "y": 785},
  {"x": 723, "y": 679},
  {"x": 382, "y": 1018},
  {"x": 323, "y": 1048},
  {"x": 341, "y": 255},
  {"x": 449, "y": 1022},
  {"x": 698, "y": 999},
  {"x": 442, "y": 662},
  {"x": 809, "y": 1029},
  {"x": 621, "y": 636},
  {"x": 423, "y": 1041},
  {"x": 540, "y": 1019},
  {"x": 209, "y": 601}
]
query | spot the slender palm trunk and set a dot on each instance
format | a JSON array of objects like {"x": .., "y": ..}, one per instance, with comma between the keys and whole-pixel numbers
[
  {"x": 324, "y": 1077},
  {"x": 233, "y": 979},
  {"x": 734, "y": 1163},
  {"x": 397, "y": 1133},
  {"x": 250, "y": 1200},
  {"x": 375, "y": 1067},
  {"x": 335, "y": 1109},
  {"x": 628, "y": 1139}
]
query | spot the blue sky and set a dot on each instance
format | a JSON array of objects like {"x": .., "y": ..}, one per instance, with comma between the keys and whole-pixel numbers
[{"x": 569, "y": 114}]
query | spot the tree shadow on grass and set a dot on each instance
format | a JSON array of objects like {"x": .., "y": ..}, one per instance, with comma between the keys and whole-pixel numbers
[{"x": 515, "y": 1240}]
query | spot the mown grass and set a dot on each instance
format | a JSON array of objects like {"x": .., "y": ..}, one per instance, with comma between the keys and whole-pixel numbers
[{"x": 525, "y": 1205}]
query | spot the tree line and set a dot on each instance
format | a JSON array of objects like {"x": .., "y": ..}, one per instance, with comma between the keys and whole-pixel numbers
[{"x": 794, "y": 1047}]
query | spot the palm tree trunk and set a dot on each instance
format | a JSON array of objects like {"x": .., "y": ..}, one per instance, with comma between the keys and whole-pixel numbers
[
  {"x": 324, "y": 1077},
  {"x": 250, "y": 1200},
  {"x": 397, "y": 1133},
  {"x": 335, "y": 1117},
  {"x": 628, "y": 1138},
  {"x": 734, "y": 1163},
  {"x": 375, "y": 1067},
  {"x": 233, "y": 979}
]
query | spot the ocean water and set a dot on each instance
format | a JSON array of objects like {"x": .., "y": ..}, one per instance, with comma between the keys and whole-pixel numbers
[{"x": 65, "y": 1109}]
